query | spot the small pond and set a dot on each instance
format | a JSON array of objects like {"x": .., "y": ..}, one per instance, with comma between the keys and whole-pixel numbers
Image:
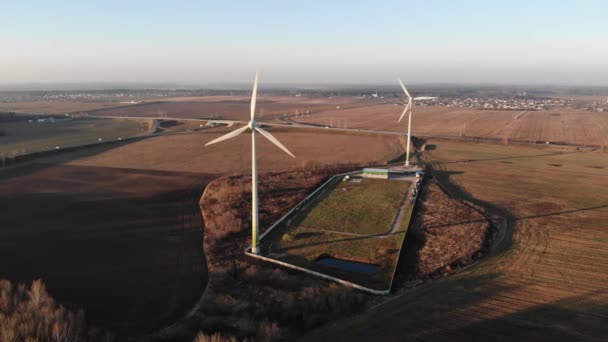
[{"x": 347, "y": 265}]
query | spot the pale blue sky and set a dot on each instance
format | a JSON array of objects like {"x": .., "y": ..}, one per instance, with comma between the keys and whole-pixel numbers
[{"x": 561, "y": 42}]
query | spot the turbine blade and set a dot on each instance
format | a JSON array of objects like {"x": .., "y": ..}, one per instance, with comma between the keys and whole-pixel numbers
[
  {"x": 254, "y": 95},
  {"x": 274, "y": 140},
  {"x": 228, "y": 136},
  {"x": 405, "y": 110},
  {"x": 407, "y": 93}
]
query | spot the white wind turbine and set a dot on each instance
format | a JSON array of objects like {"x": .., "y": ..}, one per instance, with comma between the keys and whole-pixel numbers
[
  {"x": 407, "y": 108},
  {"x": 254, "y": 165}
]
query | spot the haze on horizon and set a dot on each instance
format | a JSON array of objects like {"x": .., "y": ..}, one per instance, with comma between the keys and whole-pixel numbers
[{"x": 188, "y": 42}]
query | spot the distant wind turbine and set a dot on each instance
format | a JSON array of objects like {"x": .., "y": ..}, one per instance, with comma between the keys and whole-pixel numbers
[
  {"x": 408, "y": 108},
  {"x": 254, "y": 165}
]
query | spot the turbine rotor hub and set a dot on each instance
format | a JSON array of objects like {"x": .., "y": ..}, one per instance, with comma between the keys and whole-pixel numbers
[{"x": 252, "y": 124}]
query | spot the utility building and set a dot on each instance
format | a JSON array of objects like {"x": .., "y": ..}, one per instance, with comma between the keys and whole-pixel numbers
[{"x": 375, "y": 173}]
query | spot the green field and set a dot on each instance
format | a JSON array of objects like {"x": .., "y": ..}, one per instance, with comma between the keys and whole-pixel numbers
[
  {"x": 369, "y": 207},
  {"x": 332, "y": 235},
  {"x": 21, "y": 137}
]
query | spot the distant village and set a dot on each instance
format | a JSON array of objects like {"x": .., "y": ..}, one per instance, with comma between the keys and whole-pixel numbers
[
  {"x": 126, "y": 96},
  {"x": 133, "y": 96},
  {"x": 598, "y": 106},
  {"x": 497, "y": 103}
]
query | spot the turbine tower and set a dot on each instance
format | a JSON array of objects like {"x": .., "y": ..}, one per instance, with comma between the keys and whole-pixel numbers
[
  {"x": 408, "y": 107},
  {"x": 254, "y": 164}
]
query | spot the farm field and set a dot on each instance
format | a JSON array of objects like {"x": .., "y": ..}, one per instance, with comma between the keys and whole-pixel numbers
[
  {"x": 56, "y": 107},
  {"x": 22, "y": 137},
  {"x": 186, "y": 152},
  {"x": 555, "y": 125},
  {"x": 551, "y": 283},
  {"x": 231, "y": 108},
  {"x": 559, "y": 125},
  {"x": 124, "y": 245},
  {"x": 551, "y": 277}
]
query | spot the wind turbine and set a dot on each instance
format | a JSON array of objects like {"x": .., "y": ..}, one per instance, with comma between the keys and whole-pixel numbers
[
  {"x": 254, "y": 164},
  {"x": 407, "y": 108}
]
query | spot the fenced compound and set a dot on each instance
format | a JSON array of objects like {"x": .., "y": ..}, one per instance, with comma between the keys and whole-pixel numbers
[{"x": 382, "y": 281}]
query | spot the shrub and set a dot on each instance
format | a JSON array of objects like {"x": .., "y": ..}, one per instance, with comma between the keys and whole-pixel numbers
[
  {"x": 288, "y": 237},
  {"x": 216, "y": 337},
  {"x": 32, "y": 315},
  {"x": 269, "y": 331}
]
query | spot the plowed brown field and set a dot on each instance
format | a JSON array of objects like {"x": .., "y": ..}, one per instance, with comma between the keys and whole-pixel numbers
[
  {"x": 231, "y": 108},
  {"x": 186, "y": 152},
  {"x": 559, "y": 125},
  {"x": 124, "y": 245},
  {"x": 55, "y": 107},
  {"x": 555, "y": 125}
]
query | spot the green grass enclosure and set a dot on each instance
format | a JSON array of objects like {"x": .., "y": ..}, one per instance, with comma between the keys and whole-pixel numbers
[{"x": 368, "y": 207}]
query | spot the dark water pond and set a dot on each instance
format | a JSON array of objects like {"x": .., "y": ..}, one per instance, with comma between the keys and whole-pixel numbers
[{"x": 352, "y": 266}]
